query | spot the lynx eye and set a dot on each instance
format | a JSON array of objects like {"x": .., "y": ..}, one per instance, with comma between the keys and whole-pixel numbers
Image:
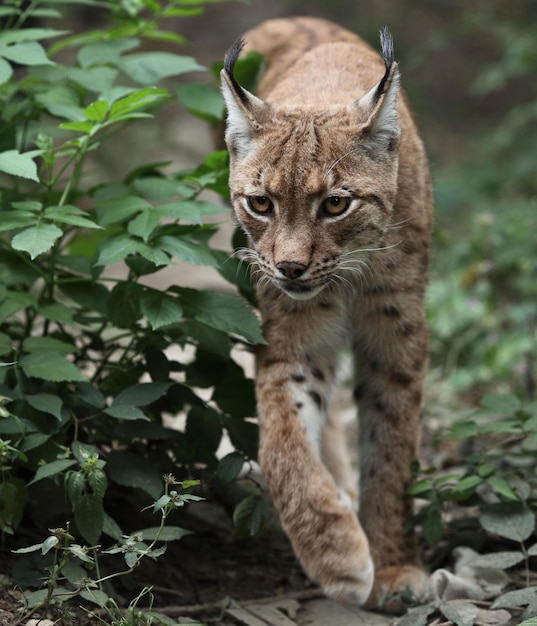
[
  {"x": 260, "y": 204},
  {"x": 335, "y": 205}
]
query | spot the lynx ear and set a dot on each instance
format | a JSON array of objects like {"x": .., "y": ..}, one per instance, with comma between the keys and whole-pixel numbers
[
  {"x": 245, "y": 112},
  {"x": 381, "y": 131}
]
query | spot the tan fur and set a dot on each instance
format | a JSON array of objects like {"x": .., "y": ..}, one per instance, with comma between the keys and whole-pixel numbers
[{"x": 318, "y": 129}]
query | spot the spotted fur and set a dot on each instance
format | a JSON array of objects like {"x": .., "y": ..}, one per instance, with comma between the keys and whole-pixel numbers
[{"x": 330, "y": 182}]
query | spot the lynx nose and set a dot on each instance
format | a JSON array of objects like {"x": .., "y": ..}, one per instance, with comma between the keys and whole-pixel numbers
[{"x": 291, "y": 269}]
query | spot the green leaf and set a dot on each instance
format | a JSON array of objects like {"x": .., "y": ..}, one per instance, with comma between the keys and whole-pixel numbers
[
  {"x": 94, "y": 79},
  {"x": 47, "y": 344},
  {"x": 104, "y": 52},
  {"x": 36, "y": 239},
  {"x": 29, "y": 34},
  {"x": 500, "y": 404},
  {"x": 124, "y": 304},
  {"x": 125, "y": 412},
  {"x": 116, "y": 249},
  {"x": 188, "y": 251},
  {"x": 131, "y": 470},
  {"x": 26, "y": 53},
  {"x": 204, "y": 101},
  {"x": 49, "y": 543},
  {"x": 71, "y": 215},
  {"x": 96, "y": 111},
  {"x": 89, "y": 517},
  {"x": 460, "y": 612},
  {"x": 83, "y": 451},
  {"x": 230, "y": 466},
  {"x": 502, "y": 487},
  {"x": 512, "y": 521},
  {"x": 514, "y": 599},
  {"x": 16, "y": 219},
  {"x": 141, "y": 394},
  {"x": 6, "y": 71},
  {"x": 468, "y": 483},
  {"x": 51, "y": 366},
  {"x": 433, "y": 525},
  {"x": 168, "y": 533},
  {"x": 160, "y": 309},
  {"x": 47, "y": 403},
  {"x": 148, "y": 68},
  {"x": 251, "y": 514},
  {"x": 223, "y": 312},
  {"x": 498, "y": 560},
  {"x": 111, "y": 527},
  {"x": 20, "y": 164},
  {"x": 52, "y": 469}
]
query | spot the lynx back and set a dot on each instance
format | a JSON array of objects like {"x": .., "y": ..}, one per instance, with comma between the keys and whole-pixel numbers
[{"x": 329, "y": 180}]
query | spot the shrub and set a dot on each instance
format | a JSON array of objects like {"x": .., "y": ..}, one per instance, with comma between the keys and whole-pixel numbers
[{"x": 88, "y": 373}]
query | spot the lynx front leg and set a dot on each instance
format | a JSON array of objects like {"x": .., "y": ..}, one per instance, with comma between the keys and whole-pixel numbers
[
  {"x": 293, "y": 385},
  {"x": 391, "y": 362}
]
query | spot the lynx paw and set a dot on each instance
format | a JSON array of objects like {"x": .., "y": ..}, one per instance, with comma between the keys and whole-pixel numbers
[
  {"x": 354, "y": 586},
  {"x": 397, "y": 587}
]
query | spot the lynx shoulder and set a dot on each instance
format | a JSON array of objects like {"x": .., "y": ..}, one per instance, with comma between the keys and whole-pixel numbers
[{"x": 330, "y": 182}]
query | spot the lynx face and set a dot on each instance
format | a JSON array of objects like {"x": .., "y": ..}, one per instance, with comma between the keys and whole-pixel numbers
[
  {"x": 313, "y": 189},
  {"x": 309, "y": 197}
]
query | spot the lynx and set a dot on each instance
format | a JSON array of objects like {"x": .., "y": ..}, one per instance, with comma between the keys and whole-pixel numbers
[{"x": 330, "y": 182}]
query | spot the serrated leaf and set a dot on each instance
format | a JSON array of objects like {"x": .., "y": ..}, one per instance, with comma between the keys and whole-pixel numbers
[
  {"x": 508, "y": 520},
  {"x": 51, "y": 366},
  {"x": 47, "y": 344},
  {"x": 52, "y": 469},
  {"x": 498, "y": 560},
  {"x": 46, "y": 403},
  {"x": 160, "y": 309},
  {"x": 141, "y": 394},
  {"x": 36, "y": 239},
  {"x": 19, "y": 164},
  {"x": 89, "y": 517},
  {"x": 126, "y": 412},
  {"x": 69, "y": 215},
  {"x": 116, "y": 249},
  {"x": 148, "y": 68},
  {"x": 223, "y": 312},
  {"x": 193, "y": 253}
]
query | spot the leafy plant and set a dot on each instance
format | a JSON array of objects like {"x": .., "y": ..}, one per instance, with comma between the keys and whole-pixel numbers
[
  {"x": 70, "y": 573},
  {"x": 97, "y": 358}
]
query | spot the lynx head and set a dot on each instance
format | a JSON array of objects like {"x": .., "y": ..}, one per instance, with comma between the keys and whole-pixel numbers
[{"x": 313, "y": 184}]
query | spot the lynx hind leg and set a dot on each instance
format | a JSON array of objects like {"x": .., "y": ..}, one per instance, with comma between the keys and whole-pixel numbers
[
  {"x": 325, "y": 533},
  {"x": 335, "y": 456},
  {"x": 389, "y": 393}
]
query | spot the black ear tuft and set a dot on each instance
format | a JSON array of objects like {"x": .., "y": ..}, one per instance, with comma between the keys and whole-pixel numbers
[
  {"x": 229, "y": 66},
  {"x": 386, "y": 42}
]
